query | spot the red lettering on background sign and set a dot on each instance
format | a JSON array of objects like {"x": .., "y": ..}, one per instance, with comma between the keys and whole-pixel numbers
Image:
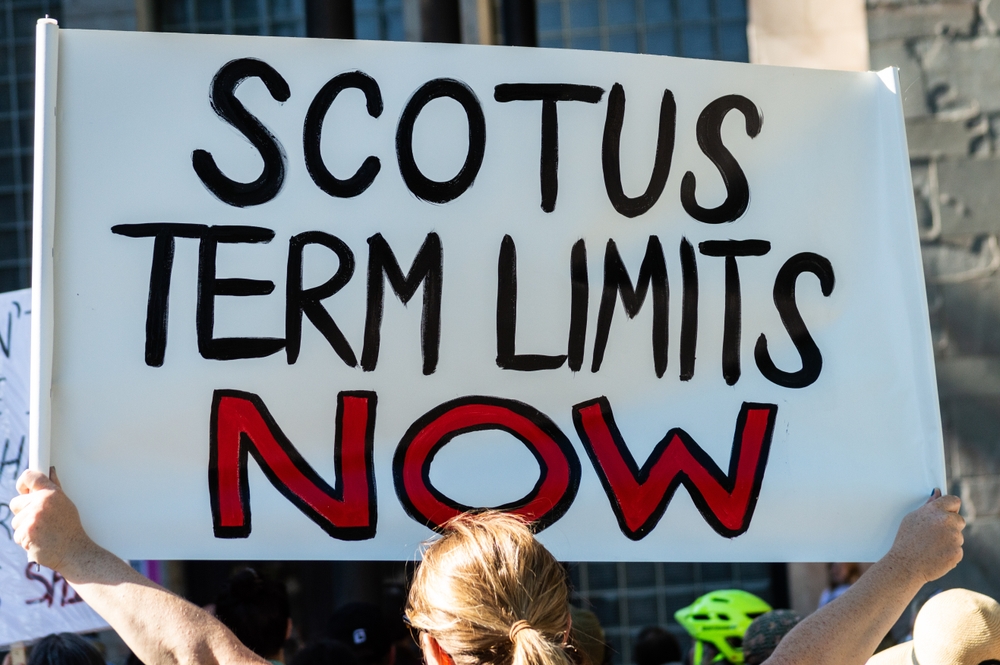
[
  {"x": 58, "y": 586},
  {"x": 242, "y": 426},
  {"x": 639, "y": 497}
]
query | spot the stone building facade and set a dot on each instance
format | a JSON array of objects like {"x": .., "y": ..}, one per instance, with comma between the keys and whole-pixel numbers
[{"x": 949, "y": 59}]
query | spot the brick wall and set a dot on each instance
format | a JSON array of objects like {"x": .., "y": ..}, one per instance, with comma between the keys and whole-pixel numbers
[{"x": 949, "y": 59}]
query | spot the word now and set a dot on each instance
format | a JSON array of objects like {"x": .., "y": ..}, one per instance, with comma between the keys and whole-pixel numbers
[
  {"x": 266, "y": 186},
  {"x": 242, "y": 427}
]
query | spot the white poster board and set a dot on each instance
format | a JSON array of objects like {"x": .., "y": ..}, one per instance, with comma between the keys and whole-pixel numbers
[
  {"x": 734, "y": 365},
  {"x": 34, "y": 601}
]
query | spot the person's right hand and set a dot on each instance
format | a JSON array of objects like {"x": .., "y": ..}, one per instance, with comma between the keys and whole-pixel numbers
[
  {"x": 46, "y": 523},
  {"x": 929, "y": 540}
]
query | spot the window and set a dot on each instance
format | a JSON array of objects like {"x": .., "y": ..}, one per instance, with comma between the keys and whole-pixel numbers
[
  {"x": 17, "y": 100},
  {"x": 714, "y": 29},
  {"x": 234, "y": 17},
  {"x": 378, "y": 19},
  {"x": 627, "y": 597}
]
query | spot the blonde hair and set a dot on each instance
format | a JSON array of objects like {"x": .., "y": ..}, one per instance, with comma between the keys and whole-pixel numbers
[{"x": 490, "y": 594}]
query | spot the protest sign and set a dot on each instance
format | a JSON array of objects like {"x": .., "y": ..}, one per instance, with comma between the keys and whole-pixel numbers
[
  {"x": 33, "y": 601},
  {"x": 309, "y": 299}
]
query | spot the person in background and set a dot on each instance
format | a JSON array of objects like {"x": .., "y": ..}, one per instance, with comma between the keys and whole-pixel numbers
[
  {"x": 840, "y": 577},
  {"x": 954, "y": 627},
  {"x": 133, "y": 659},
  {"x": 765, "y": 632},
  {"x": 587, "y": 637},
  {"x": 717, "y": 622},
  {"x": 486, "y": 593},
  {"x": 64, "y": 649},
  {"x": 325, "y": 652},
  {"x": 363, "y": 628},
  {"x": 257, "y": 611},
  {"x": 656, "y": 646}
]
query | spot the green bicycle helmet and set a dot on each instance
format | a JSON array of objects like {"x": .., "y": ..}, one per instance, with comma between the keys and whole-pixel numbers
[{"x": 721, "y": 618}]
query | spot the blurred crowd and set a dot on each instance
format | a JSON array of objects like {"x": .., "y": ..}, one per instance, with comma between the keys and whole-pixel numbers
[{"x": 723, "y": 627}]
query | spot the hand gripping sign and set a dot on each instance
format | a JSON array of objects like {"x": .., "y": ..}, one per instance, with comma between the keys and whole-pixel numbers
[{"x": 310, "y": 299}]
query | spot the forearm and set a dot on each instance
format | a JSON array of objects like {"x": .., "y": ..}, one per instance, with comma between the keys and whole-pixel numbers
[
  {"x": 848, "y": 630},
  {"x": 160, "y": 627}
]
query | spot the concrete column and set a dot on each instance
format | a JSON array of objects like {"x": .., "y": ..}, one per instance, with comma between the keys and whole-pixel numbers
[
  {"x": 145, "y": 16},
  {"x": 478, "y": 25},
  {"x": 824, "y": 34},
  {"x": 806, "y": 582},
  {"x": 330, "y": 18},
  {"x": 432, "y": 21},
  {"x": 519, "y": 27},
  {"x": 411, "y": 20}
]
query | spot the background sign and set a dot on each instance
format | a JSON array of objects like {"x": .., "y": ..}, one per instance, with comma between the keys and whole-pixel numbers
[
  {"x": 33, "y": 603},
  {"x": 311, "y": 298}
]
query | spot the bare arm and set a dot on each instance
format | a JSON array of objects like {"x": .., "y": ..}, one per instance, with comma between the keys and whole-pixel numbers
[
  {"x": 847, "y": 631},
  {"x": 160, "y": 627}
]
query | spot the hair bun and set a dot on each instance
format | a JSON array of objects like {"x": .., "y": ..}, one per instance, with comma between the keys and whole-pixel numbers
[
  {"x": 245, "y": 585},
  {"x": 518, "y": 626}
]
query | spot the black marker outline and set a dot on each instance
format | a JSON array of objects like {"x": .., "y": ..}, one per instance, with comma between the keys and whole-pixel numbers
[
  {"x": 539, "y": 419},
  {"x": 507, "y": 355},
  {"x": 641, "y": 475},
  {"x": 733, "y": 317},
  {"x": 689, "y": 309},
  {"x": 160, "y": 272},
  {"x": 548, "y": 94},
  {"x": 337, "y": 492},
  {"x": 784, "y": 301},
  {"x": 618, "y": 285},
  {"x": 611, "y": 154},
  {"x": 312, "y": 131},
  {"x": 709, "y": 132},
  {"x": 210, "y": 286},
  {"x": 299, "y": 301},
  {"x": 222, "y": 97},
  {"x": 427, "y": 268},
  {"x": 420, "y": 185}
]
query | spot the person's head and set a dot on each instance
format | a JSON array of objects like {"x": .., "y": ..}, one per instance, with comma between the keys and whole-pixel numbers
[
  {"x": 955, "y": 627},
  {"x": 587, "y": 636},
  {"x": 765, "y": 632},
  {"x": 717, "y": 621},
  {"x": 363, "y": 628},
  {"x": 839, "y": 574},
  {"x": 256, "y": 610},
  {"x": 488, "y": 593},
  {"x": 655, "y": 646},
  {"x": 325, "y": 652},
  {"x": 64, "y": 649}
]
